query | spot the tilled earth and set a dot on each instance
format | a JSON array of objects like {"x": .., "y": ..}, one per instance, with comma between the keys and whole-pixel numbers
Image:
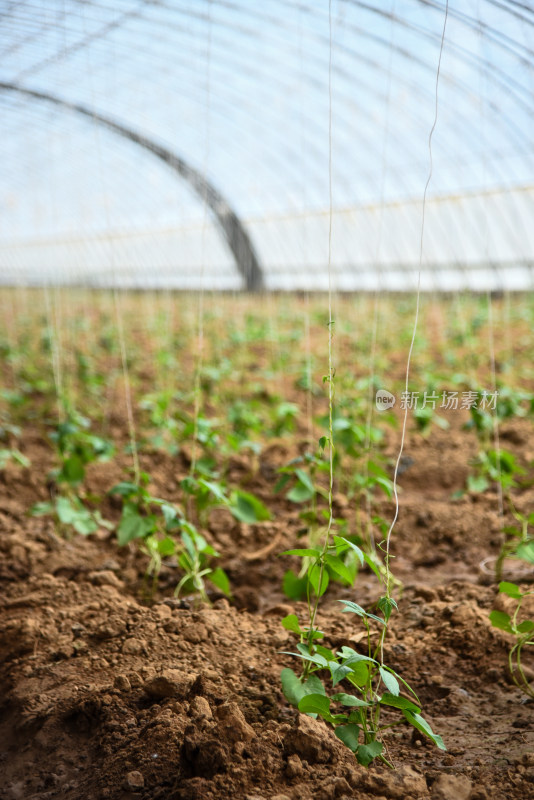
[{"x": 109, "y": 693}]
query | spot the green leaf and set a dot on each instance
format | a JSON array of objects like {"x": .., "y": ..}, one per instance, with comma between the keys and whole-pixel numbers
[
  {"x": 84, "y": 524},
  {"x": 291, "y": 686},
  {"x": 315, "y": 658},
  {"x": 65, "y": 510},
  {"x": 338, "y": 671},
  {"x": 315, "y": 634},
  {"x": 293, "y": 586},
  {"x": 359, "y": 673},
  {"x": 323, "y": 651},
  {"x": 525, "y": 551},
  {"x": 300, "y": 493},
  {"x": 323, "y": 441},
  {"x": 167, "y": 546},
  {"x": 314, "y": 685},
  {"x": 282, "y": 483},
  {"x": 305, "y": 479},
  {"x": 169, "y": 512},
  {"x": 406, "y": 684},
  {"x": 525, "y": 627},
  {"x": 16, "y": 455},
  {"x": 220, "y": 579},
  {"x": 349, "y": 700},
  {"x": 367, "y": 752},
  {"x": 341, "y": 540},
  {"x": 386, "y": 606},
  {"x": 403, "y": 703},
  {"x": 511, "y": 589},
  {"x": 390, "y": 681},
  {"x": 312, "y": 552},
  {"x": 501, "y": 620},
  {"x": 371, "y": 563},
  {"x": 40, "y": 509},
  {"x": 337, "y": 565},
  {"x": 216, "y": 490},
  {"x": 349, "y": 735},
  {"x": 74, "y": 513},
  {"x": 315, "y": 704},
  {"x": 291, "y": 623},
  {"x": 125, "y": 489},
  {"x": 350, "y": 656},
  {"x": 247, "y": 508},
  {"x": 422, "y": 725},
  {"x": 477, "y": 483},
  {"x": 386, "y": 485},
  {"x": 314, "y": 575},
  {"x": 354, "y": 608},
  {"x": 72, "y": 470},
  {"x": 133, "y": 526},
  {"x": 294, "y": 689}
]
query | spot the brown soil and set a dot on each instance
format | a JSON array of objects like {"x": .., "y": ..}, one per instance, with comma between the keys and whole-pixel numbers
[
  {"x": 106, "y": 695},
  {"x": 109, "y": 694}
]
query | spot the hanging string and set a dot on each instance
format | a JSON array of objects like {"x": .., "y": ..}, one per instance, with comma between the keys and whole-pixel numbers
[{"x": 417, "y": 304}]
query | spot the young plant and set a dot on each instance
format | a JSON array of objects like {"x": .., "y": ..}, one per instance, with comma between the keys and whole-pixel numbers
[
  {"x": 76, "y": 447},
  {"x": 156, "y": 523},
  {"x": 425, "y": 417},
  {"x": 522, "y": 631},
  {"x": 285, "y": 414},
  {"x": 358, "y": 715},
  {"x": 299, "y": 477},
  {"x": 358, "y": 722},
  {"x": 8, "y": 455},
  {"x": 245, "y": 421},
  {"x": 494, "y": 466},
  {"x": 159, "y": 408},
  {"x": 208, "y": 494}
]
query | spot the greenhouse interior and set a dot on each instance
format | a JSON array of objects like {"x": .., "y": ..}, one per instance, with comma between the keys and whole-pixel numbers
[{"x": 267, "y": 400}]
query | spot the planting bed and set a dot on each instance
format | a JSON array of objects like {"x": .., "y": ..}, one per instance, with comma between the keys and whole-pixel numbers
[{"x": 114, "y": 688}]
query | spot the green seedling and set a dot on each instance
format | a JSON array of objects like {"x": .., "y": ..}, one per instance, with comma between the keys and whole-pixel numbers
[
  {"x": 509, "y": 403},
  {"x": 212, "y": 376},
  {"x": 374, "y": 687},
  {"x": 305, "y": 380},
  {"x": 159, "y": 408},
  {"x": 361, "y": 475},
  {"x": 285, "y": 415},
  {"x": 523, "y": 630},
  {"x": 76, "y": 447},
  {"x": 357, "y": 715},
  {"x": 156, "y": 523},
  {"x": 481, "y": 421},
  {"x": 209, "y": 494},
  {"x": 202, "y": 430},
  {"x": 245, "y": 422},
  {"x": 70, "y": 512},
  {"x": 494, "y": 466},
  {"x": 426, "y": 417},
  {"x": 8, "y": 455},
  {"x": 300, "y": 475},
  {"x": 91, "y": 380}
]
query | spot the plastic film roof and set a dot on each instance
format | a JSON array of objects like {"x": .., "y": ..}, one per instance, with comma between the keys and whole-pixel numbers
[{"x": 286, "y": 112}]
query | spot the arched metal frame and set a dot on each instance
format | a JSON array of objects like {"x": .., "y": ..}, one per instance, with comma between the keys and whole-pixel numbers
[{"x": 231, "y": 226}]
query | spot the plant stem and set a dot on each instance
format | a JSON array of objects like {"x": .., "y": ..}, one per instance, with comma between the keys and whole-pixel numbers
[{"x": 312, "y": 610}]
